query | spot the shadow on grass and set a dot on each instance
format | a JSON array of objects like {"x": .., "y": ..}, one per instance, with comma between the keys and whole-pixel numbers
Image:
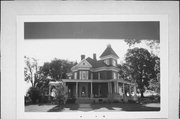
[
  {"x": 125, "y": 107},
  {"x": 62, "y": 107}
]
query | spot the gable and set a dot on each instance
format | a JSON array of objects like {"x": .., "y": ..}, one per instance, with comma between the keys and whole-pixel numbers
[{"x": 84, "y": 64}]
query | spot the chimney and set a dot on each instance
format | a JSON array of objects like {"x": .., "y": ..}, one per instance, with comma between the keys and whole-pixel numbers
[
  {"x": 82, "y": 57},
  {"x": 94, "y": 56}
]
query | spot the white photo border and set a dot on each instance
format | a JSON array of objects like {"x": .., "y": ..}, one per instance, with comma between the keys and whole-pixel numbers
[{"x": 163, "y": 113}]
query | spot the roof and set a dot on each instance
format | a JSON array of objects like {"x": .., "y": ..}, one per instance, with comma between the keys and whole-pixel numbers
[
  {"x": 108, "y": 51},
  {"x": 95, "y": 63}
]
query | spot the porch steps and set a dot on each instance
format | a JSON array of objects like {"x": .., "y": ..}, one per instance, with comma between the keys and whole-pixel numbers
[{"x": 84, "y": 101}]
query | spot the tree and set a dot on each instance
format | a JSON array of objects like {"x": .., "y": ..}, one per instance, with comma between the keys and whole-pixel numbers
[
  {"x": 56, "y": 69},
  {"x": 31, "y": 71},
  {"x": 154, "y": 83},
  {"x": 131, "y": 42},
  {"x": 151, "y": 43},
  {"x": 124, "y": 71},
  {"x": 34, "y": 94},
  {"x": 141, "y": 67},
  {"x": 33, "y": 75}
]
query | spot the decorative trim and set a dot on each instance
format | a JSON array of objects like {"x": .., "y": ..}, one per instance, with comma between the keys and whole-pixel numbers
[
  {"x": 76, "y": 67},
  {"x": 106, "y": 68},
  {"x": 109, "y": 56}
]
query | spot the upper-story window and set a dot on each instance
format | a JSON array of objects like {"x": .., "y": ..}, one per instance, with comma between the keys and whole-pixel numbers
[
  {"x": 114, "y": 62},
  {"x": 114, "y": 75},
  {"x": 106, "y": 61},
  {"x": 119, "y": 76},
  {"x": 75, "y": 75},
  {"x": 83, "y": 74}
]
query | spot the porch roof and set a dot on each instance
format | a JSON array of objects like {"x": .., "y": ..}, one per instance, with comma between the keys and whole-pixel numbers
[{"x": 98, "y": 81}]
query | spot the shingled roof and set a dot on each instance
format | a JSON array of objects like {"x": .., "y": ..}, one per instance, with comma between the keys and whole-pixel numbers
[
  {"x": 95, "y": 63},
  {"x": 108, "y": 51}
]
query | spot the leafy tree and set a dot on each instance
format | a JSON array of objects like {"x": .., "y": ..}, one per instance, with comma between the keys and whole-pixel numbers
[
  {"x": 39, "y": 82},
  {"x": 154, "y": 83},
  {"x": 141, "y": 67},
  {"x": 150, "y": 43},
  {"x": 31, "y": 71},
  {"x": 131, "y": 42},
  {"x": 57, "y": 68},
  {"x": 125, "y": 72}
]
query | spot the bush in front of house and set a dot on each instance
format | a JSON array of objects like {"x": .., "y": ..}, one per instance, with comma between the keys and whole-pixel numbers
[
  {"x": 27, "y": 100},
  {"x": 34, "y": 94},
  {"x": 71, "y": 101},
  {"x": 61, "y": 94},
  {"x": 150, "y": 99}
]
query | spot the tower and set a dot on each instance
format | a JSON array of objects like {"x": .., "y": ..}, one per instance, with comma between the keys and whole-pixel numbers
[{"x": 109, "y": 56}]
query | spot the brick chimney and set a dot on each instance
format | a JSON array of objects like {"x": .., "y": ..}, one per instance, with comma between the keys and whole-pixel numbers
[
  {"x": 82, "y": 57},
  {"x": 94, "y": 56}
]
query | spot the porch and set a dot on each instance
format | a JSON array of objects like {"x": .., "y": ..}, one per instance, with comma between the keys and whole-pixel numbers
[{"x": 87, "y": 91}]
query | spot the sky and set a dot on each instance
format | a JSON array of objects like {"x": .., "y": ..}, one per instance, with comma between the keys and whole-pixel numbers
[{"x": 47, "y": 50}]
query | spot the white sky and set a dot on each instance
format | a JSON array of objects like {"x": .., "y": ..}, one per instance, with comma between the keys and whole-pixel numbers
[{"x": 71, "y": 49}]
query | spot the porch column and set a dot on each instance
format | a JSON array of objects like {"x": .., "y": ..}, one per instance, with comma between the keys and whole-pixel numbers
[
  {"x": 49, "y": 97},
  {"x": 110, "y": 84},
  {"x": 76, "y": 89},
  {"x": 135, "y": 91},
  {"x": 135, "y": 95},
  {"x": 117, "y": 87},
  {"x": 108, "y": 89},
  {"x": 129, "y": 90},
  {"x": 98, "y": 90},
  {"x": 91, "y": 91},
  {"x": 123, "y": 89},
  {"x": 66, "y": 87}
]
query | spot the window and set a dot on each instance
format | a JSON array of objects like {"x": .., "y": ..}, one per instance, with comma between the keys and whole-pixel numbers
[
  {"x": 99, "y": 75},
  {"x": 106, "y": 61},
  {"x": 114, "y": 62},
  {"x": 75, "y": 75},
  {"x": 114, "y": 75},
  {"x": 83, "y": 74},
  {"x": 119, "y": 76},
  {"x": 91, "y": 75}
]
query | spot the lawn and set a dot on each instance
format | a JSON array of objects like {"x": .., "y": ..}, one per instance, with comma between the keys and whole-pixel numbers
[{"x": 94, "y": 107}]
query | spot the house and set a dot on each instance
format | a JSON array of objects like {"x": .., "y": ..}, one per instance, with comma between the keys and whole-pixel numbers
[{"x": 98, "y": 80}]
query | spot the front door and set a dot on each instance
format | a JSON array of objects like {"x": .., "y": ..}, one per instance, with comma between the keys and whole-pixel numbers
[{"x": 83, "y": 90}]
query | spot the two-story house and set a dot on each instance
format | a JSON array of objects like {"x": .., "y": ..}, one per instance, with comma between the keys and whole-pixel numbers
[{"x": 97, "y": 80}]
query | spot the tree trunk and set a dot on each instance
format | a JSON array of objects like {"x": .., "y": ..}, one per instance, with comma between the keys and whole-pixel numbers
[{"x": 142, "y": 94}]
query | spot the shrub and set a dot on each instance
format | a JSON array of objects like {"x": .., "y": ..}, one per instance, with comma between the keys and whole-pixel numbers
[
  {"x": 150, "y": 99},
  {"x": 27, "y": 100},
  {"x": 71, "y": 100},
  {"x": 34, "y": 94},
  {"x": 61, "y": 94}
]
